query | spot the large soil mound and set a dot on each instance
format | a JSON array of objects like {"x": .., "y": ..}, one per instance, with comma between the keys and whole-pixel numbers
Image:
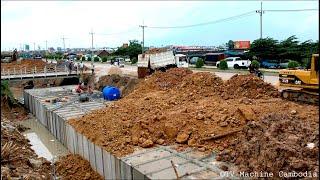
[
  {"x": 182, "y": 107},
  {"x": 276, "y": 143},
  {"x": 248, "y": 86}
]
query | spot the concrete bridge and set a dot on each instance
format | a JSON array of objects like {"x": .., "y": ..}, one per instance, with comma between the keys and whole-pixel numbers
[{"x": 39, "y": 76}]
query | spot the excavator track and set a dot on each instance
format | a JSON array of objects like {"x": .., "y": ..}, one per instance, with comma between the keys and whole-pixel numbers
[{"x": 301, "y": 96}]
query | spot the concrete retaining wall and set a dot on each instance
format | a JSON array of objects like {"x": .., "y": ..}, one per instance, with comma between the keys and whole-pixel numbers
[
  {"x": 54, "y": 117},
  {"x": 152, "y": 163}
]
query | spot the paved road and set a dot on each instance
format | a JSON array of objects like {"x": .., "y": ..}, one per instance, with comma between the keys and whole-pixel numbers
[{"x": 102, "y": 69}]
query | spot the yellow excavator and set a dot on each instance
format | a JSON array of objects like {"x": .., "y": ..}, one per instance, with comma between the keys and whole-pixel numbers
[{"x": 301, "y": 85}]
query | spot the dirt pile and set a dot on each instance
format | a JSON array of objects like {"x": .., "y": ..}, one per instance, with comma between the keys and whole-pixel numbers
[
  {"x": 115, "y": 71},
  {"x": 15, "y": 113},
  {"x": 156, "y": 50},
  {"x": 29, "y": 64},
  {"x": 17, "y": 157},
  {"x": 125, "y": 84},
  {"x": 248, "y": 86},
  {"x": 276, "y": 143},
  {"x": 181, "y": 107},
  {"x": 75, "y": 167}
]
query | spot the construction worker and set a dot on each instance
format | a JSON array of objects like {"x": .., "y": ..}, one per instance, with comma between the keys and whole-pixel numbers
[
  {"x": 251, "y": 68},
  {"x": 81, "y": 67},
  {"x": 70, "y": 66},
  {"x": 81, "y": 87},
  {"x": 92, "y": 68}
]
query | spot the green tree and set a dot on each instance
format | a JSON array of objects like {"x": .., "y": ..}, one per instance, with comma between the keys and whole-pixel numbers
[
  {"x": 255, "y": 64},
  {"x": 104, "y": 59},
  {"x": 199, "y": 63},
  {"x": 134, "y": 60},
  {"x": 96, "y": 59},
  {"x": 293, "y": 64},
  {"x": 265, "y": 48},
  {"x": 223, "y": 65},
  {"x": 230, "y": 44},
  {"x": 6, "y": 94},
  {"x": 289, "y": 49},
  {"x": 133, "y": 50}
]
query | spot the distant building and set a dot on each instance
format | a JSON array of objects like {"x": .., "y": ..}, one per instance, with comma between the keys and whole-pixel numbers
[
  {"x": 51, "y": 49},
  {"x": 241, "y": 44},
  {"x": 59, "y": 49},
  {"x": 27, "y": 47},
  {"x": 125, "y": 45},
  {"x": 102, "y": 53}
]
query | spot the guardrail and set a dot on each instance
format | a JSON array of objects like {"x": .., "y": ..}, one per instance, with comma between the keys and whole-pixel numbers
[{"x": 34, "y": 70}]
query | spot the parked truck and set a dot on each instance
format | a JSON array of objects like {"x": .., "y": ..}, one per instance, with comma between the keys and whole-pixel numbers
[
  {"x": 149, "y": 63},
  {"x": 236, "y": 62}
]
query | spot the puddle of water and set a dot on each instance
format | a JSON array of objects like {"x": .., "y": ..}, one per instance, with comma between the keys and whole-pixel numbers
[
  {"x": 40, "y": 149},
  {"x": 43, "y": 142}
]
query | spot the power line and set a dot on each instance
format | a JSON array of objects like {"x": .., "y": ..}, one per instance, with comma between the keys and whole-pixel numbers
[
  {"x": 123, "y": 32},
  {"x": 205, "y": 23},
  {"x": 290, "y": 10}
]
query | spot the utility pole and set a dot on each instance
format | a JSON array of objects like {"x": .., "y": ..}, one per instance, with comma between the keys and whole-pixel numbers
[
  {"x": 91, "y": 45},
  {"x": 142, "y": 26},
  {"x": 260, "y": 12},
  {"x": 64, "y": 43},
  {"x": 46, "y": 51}
]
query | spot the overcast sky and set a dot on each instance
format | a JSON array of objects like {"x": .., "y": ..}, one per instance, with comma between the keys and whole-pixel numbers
[{"x": 25, "y": 22}]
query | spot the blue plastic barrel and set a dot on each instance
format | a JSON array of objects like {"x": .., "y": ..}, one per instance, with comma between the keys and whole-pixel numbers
[{"x": 111, "y": 93}]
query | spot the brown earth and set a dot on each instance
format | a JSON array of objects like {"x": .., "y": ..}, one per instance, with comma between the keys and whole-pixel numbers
[
  {"x": 179, "y": 106},
  {"x": 17, "y": 157},
  {"x": 278, "y": 142},
  {"x": 15, "y": 114},
  {"x": 29, "y": 64},
  {"x": 26, "y": 63},
  {"x": 125, "y": 84},
  {"x": 75, "y": 167},
  {"x": 156, "y": 50}
]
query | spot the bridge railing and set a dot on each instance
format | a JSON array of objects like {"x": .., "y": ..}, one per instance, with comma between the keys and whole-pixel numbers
[{"x": 35, "y": 70}]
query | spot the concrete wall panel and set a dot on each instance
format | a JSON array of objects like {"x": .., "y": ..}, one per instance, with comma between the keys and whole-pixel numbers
[
  {"x": 92, "y": 155},
  {"x": 99, "y": 159}
]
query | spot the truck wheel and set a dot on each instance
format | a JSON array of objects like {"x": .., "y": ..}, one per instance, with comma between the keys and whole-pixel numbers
[
  {"x": 217, "y": 65},
  {"x": 236, "y": 66}
]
